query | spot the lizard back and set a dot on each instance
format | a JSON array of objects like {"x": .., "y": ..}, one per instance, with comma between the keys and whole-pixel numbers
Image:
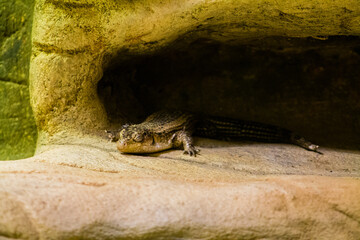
[{"x": 165, "y": 121}]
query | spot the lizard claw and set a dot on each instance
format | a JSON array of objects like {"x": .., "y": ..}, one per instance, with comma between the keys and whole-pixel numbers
[{"x": 192, "y": 151}]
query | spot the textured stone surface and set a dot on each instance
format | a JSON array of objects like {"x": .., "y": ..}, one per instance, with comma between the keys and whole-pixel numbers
[
  {"x": 235, "y": 191},
  {"x": 17, "y": 126}
]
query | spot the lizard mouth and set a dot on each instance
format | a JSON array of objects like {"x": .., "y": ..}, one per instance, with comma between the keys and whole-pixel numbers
[{"x": 126, "y": 147}]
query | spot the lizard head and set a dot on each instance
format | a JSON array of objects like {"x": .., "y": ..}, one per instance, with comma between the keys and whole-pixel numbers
[{"x": 134, "y": 139}]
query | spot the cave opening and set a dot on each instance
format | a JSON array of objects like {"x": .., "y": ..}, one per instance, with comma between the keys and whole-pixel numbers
[{"x": 307, "y": 85}]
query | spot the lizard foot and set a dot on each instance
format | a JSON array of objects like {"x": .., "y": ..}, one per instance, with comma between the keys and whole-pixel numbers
[
  {"x": 112, "y": 135},
  {"x": 302, "y": 142},
  {"x": 191, "y": 150}
]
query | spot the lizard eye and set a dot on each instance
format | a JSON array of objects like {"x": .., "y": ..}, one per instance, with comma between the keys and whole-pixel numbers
[{"x": 138, "y": 138}]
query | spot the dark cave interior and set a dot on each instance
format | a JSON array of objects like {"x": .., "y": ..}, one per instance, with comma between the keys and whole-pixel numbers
[{"x": 308, "y": 85}]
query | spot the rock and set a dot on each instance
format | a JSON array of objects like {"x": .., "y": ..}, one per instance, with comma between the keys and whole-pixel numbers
[
  {"x": 95, "y": 192},
  {"x": 17, "y": 125},
  {"x": 74, "y": 41}
]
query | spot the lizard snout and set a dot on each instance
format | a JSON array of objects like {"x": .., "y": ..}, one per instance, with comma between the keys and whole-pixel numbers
[{"x": 121, "y": 145}]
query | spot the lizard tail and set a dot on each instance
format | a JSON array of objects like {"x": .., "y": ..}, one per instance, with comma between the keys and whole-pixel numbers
[{"x": 227, "y": 128}]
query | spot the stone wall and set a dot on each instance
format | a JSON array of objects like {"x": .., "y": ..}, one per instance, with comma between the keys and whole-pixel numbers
[{"x": 17, "y": 126}]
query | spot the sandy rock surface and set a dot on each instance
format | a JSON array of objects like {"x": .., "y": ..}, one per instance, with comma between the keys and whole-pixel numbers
[{"x": 92, "y": 191}]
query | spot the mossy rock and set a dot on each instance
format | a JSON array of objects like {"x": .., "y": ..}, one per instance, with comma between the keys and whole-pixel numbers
[{"x": 17, "y": 126}]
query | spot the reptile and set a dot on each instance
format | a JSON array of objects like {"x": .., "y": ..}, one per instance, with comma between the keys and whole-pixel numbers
[{"x": 175, "y": 129}]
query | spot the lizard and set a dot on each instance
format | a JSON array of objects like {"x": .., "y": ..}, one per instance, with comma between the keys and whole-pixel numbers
[{"x": 165, "y": 130}]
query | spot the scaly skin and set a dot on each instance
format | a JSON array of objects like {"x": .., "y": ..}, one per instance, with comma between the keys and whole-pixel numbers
[
  {"x": 159, "y": 132},
  {"x": 166, "y": 130}
]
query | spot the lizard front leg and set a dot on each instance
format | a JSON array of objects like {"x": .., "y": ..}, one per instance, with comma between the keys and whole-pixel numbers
[
  {"x": 113, "y": 135},
  {"x": 183, "y": 138}
]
